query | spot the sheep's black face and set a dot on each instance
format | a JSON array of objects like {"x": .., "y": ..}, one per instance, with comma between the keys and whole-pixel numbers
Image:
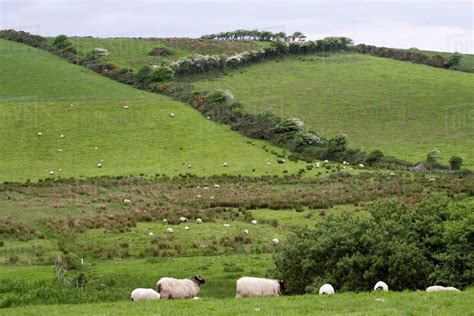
[
  {"x": 198, "y": 279},
  {"x": 282, "y": 286}
]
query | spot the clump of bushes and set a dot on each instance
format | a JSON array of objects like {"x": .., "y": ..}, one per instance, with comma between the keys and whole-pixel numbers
[
  {"x": 407, "y": 247},
  {"x": 160, "y": 51}
]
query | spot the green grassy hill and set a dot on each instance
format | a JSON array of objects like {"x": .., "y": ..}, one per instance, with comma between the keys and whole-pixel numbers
[
  {"x": 404, "y": 109},
  {"x": 42, "y": 93},
  {"x": 134, "y": 52}
]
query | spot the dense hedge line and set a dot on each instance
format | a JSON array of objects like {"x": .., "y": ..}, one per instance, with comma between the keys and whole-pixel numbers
[
  {"x": 407, "y": 247},
  {"x": 410, "y": 55}
]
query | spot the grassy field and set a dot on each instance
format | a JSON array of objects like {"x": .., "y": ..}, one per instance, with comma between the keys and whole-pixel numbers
[
  {"x": 133, "y": 52},
  {"x": 404, "y": 109},
  {"x": 42, "y": 93}
]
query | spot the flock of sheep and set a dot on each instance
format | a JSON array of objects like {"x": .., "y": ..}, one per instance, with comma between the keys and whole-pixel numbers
[{"x": 171, "y": 288}]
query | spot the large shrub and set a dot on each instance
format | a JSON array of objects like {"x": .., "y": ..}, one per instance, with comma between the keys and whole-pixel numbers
[{"x": 409, "y": 248}]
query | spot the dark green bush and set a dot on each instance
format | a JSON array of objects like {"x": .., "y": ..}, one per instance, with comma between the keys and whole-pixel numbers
[
  {"x": 409, "y": 248},
  {"x": 374, "y": 157},
  {"x": 455, "y": 163}
]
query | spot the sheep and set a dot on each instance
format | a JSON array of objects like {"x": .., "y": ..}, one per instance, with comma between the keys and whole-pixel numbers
[
  {"x": 381, "y": 286},
  {"x": 51, "y": 172},
  {"x": 150, "y": 234},
  {"x": 186, "y": 227},
  {"x": 318, "y": 165},
  {"x": 62, "y": 135},
  {"x": 212, "y": 197},
  {"x": 99, "y": 165},
  {"x": 392, "y": 173},
  {"x": 40, "y": 134},
  {"x": 326, "y": 161},
  {"x": 144, "y": 295},
  {"x": 253, "y": 222},
  {"x": 246, "y": 231},
  {"x": 438, "y": 288},
  {"x": 326, "y": 289},
  {"x": 431, "y": 180},
  {"x": 256, "y": 287},
  {"x": 198, "y": 220},
  {"x": 125, "y": 107},
  {"x": 217, "y": 186},
  {"x": 275, "y": 241},
  {"x": 225, "y": 164},
  {"x": 172, "y": 114},
  {"x": 96, "y": 148},
  {"x": 361, "y": 165},
  {"x": 198, "y": 195},
  {"x": 60, "y": 150},
  {"x": 269, "y": 163},
  {"x": 72, "y": 105},
  {"x": 183, "y": 219},
  {"x": 127, "y": 201},
  {"x": 226, "y": 225},
  {"x": 169, "y": 231},
  {"x": 171, "y": 288},
  {"x": 165, "y": 220}
]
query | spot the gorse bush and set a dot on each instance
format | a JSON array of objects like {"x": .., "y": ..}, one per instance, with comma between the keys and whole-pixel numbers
[{"x": 407, "y": 247}]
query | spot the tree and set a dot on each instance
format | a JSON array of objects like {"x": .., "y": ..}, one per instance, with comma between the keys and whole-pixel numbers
[
  {"x": 374, "y": 157},
  {"x": 453, "y": 60},
  {"x": 455, "y": 163},
  {"x": 61, "y": 41}
]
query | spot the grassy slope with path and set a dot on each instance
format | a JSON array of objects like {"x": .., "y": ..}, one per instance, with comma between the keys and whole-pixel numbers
[
  {"x": 402, "y": 108},
  {"x": 35, "y": 96}
]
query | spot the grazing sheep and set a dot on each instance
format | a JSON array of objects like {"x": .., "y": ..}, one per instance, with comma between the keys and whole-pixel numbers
[
  {"x": 253, "y": 222},
  {"x": 40, "y": 134},
  {"x": 51, "y": 172},
  {"x": 318, "y": 165},
  {"x": 326, "y": 161},
  {"x": 199, "y": 195},
  {"x": 165, "y": 220},
  {"x": 144, "y": 295},
  {"x": 96, "y": 148},
  {"x": 183, "y": 219},
  {"x": 275, "y": 241},
  {"x": 169, "y": 230},
  {"x": 125, "y": 107},
  {"x": 326, "y": 289},
  {"x": 225, "y": 164},
  {"x": 99, "y": 165},
  {"x": 186, "y": 227},
  {"x": 217, "y": 186},
  {"x": 208, "y": 117},
  {"x": 246, "y": 231},
  {"x": 127, "y": 201},
  {"x": 438, "y": 288},
  {"x": 392, "y": 173},
  {"x": 172, "y": 114},
  {"x": 269, "y": 163},
  {"x": 171, "y": 288},
  {"x": 431, "y": 180},
  {"x": 72, "y": 105},
  {"x": 60, "y": 150},
  {"x": 226, "y": 225},
  {"x": 150, "y": 234},
  {"x": 212, "y": 197},
  {"x": 381, "y": 286},
  {"x": 361, "y": 165},
  {"x": 62, "y": 136},
  {"x": 198, "y": 220},
  {"x": 256, "y": 287}
]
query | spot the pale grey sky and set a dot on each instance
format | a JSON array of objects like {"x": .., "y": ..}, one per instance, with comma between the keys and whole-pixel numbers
[{"x": 433, "y": 25}]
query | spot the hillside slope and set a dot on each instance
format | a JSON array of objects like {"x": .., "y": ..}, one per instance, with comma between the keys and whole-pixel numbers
[
  {"x": 404, "y": 109},
  {"x": 42, "y": 93}
]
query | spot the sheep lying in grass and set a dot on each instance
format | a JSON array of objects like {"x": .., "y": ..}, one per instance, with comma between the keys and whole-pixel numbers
[
  {"x": 169, "y": 231},
  {"x": 127, "y": 201},
  {"x": 275, "y": 241},
  {"x": 144, "y": 295},
  {"x": 326, "y": 289},
  {"x": 439, "y": 288},
  {"x": 171, "y": 288},
  {"x": 253, "y": 222},
  {"x": 256, "y": 287},
  {"x": 381, "y": 286}
]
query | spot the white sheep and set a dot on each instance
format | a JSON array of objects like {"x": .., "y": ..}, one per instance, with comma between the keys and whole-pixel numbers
[
  {"x": 172, "y": 114},
  {"x": 169, "y": 230},
  {"x": 127, "y": 201},
  {"x": 275, "y": 241},
  {"x": 253, "y": 222},
  {"x": 183, "y": 219},
  {"x": 99, "y": 165},
  {"x": 256, "y": 287},
  {"x": 198, "y": 220},
  {"x": 361, "y": 165},
  {"x": 40, "y": 134},
  {"x": 186, "y": 227},
  {"x": 144, "y": 295},
  {"x": 381, "y": 286},
  {"x": 125, "y": 107},
  {"x": 246, "y": 231},
  {"x": 212, "y": 197},
  {"x": 60, "y": 150},
  {"x": 392, "y": 173},
  {"x": 226, "y": 225},
  {"x": 326, "y": 289},
  {"x": 217, "y": 186},
  {"x": 171, "y": 288},
  {"x": 51, "y": 172},
  {"x": 318, "y": 165},
  {"x": 225, "y": 164},
  {"x": 62, "y": 136},
  {"x": 438, "y": 288},
  {"x": 150, "y": 234},
  {"x": 165, "y": 220},
  {"x": 326, "y": 161}
]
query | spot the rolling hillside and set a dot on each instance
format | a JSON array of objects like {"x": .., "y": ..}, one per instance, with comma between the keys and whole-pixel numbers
[
  {"x": 404, "y": 109},
  {"x": 42, "y": 93},
  {"x": 134, "y": 52}
]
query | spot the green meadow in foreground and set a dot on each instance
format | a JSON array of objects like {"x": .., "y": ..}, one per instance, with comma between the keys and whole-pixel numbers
[
  {"x": 404, "y": 109},
  {"x": 42, "y": 93}
]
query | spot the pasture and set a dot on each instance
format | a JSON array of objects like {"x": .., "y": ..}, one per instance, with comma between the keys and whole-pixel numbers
[
  {"x": 46, "y": 94},
  {"x": 404, "y": 109}
]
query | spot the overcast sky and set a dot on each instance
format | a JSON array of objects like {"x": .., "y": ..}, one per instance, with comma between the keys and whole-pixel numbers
[{"x": 434, "y": 25}]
